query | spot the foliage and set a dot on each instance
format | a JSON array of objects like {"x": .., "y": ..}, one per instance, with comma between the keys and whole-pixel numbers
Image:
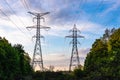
[
  {"x": 13, "y": 62},
  {"x": 48, "y": 75},
  {"x": 78, "y": 74},
  {"x": 115, "y": 50},
  {"x": 103, "y": 60}
]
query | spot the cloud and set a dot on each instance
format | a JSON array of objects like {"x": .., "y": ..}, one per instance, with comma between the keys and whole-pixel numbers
[
  {"x": 83, "y": 52},
  {"x": 55, "y": 57},
  {"x": 69, "y": 11},
  {"x": 61, "y": 61},
  {"x": 115, "y": 4},
  {"x": 87, "y": 29},
  {"x": 58, "y": 60}
]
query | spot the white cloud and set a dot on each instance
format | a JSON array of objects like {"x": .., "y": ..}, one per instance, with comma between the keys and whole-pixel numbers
[
  {"x": 61, "y": 61},
  {"x": 83, "y": 52},
  {"x": 84, "y": 26},
  {"x": 55, "y": 57},
  {"x": 115, "y": 4}
]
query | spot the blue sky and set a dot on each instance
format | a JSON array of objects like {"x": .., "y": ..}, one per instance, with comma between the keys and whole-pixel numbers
[{"x": 92, "y": 17}]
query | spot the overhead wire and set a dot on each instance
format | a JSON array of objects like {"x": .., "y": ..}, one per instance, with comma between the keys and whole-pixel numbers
[
  {"x": 12, "y": 22},
  {"x": 14, "y": 13},
  {"x": 27, "y": 8},
  {"x": 25, "y": 5},
  {"x": 91, "y": 17},
  {"x": 108, "y": 21},
  {"x": 81, "y": 4},
  {"x": 73, "y": 20}
]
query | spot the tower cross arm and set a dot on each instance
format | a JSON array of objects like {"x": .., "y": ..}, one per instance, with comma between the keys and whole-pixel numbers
[
  {"x": 70, "y": 36},
  {"x": 35, "y": 14},
  {"x": 38, "y": 37},
  {"x": 41, "y": 27},
  {"x": 79, "y": 36},
  {"x": 41, "y": 14},
  {"x": 44, "y": 27},
  {"x": 31, "y": 27}
]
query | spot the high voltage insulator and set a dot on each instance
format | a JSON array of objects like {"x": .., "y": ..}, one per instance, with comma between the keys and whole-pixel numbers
[
  {"x": 74, "y": 61},
  {"x": 37, "y": 55}
]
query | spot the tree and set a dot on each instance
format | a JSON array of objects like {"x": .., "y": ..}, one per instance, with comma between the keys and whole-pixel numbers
[
  {"x": 115, "y": 50},
  {"x": 14, "y": 62},
  {"x": 103, "y": 54},
  {"x": 78, "y": 74},
  {"x": 24, "y": 60},
  {"x": 9, "y": 60}
]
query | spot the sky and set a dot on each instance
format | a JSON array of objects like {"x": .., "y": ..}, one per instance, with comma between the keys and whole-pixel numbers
[{"x": 91, "y": 17}]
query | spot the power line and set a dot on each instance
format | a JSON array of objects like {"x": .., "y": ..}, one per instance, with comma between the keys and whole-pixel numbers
[
  {"x": 28, "y": 7},
  {"x": 81, "y": 3},
  {"x": 12, "y": 22},
  {"x": 91, "y": 16},
  {"x": 25, "y": 5},
  {"x": 15, "y": 14}
]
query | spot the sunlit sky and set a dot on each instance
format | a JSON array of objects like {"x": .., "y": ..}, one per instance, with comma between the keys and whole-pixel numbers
[{"x": 91, "y": 17}]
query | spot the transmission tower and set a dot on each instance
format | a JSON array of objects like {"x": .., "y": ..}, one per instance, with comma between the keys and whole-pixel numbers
[
  {"x": 37, "y": 55},
  {"x": 74, "y": 61}
]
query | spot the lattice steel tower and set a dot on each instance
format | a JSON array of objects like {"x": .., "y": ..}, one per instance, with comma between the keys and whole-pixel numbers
[
  {"x": 37, "y": 55},
  {"x": 74, "y": 61}
]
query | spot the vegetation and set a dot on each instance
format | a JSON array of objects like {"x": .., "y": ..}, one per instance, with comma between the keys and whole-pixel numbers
[
  {"x": 14, "y": 62},
  {"x": 102, "y": 62}
]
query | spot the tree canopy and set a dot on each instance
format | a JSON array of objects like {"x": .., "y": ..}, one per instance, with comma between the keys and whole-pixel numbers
[
  {"x": 14, "y": 62},
  {"x": 103, "y": 60}
]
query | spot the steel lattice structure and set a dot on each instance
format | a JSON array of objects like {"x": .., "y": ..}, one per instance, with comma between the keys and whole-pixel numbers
[
  {"x": 74, "y": 61},
  {"x": 37, "y": 55}
]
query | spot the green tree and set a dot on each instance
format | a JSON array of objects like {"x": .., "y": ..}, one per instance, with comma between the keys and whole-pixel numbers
[
  {"x": 102, "y": 56},
  {"x": 9, "y": 60},
  {"x": 115, "y": 50},
  {"x": 14, "y": 62},
  {"x": 78, "y": 74},
  {"x": 24, "y": 60}
]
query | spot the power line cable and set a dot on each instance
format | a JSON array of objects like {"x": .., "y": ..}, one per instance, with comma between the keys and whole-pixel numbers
[
  {"x": 25, "y": 5},
  {"x": 13, "y": 22},
  {"x": 81, "y": 3},
  {"x": 91, "y": 17},
  {"x": 15, "y": 14}
]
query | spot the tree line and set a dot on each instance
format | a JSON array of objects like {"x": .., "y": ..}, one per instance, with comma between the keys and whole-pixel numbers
[
  {"x": 103, "y": 60},
  {"x": 14, "y": 61}
]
